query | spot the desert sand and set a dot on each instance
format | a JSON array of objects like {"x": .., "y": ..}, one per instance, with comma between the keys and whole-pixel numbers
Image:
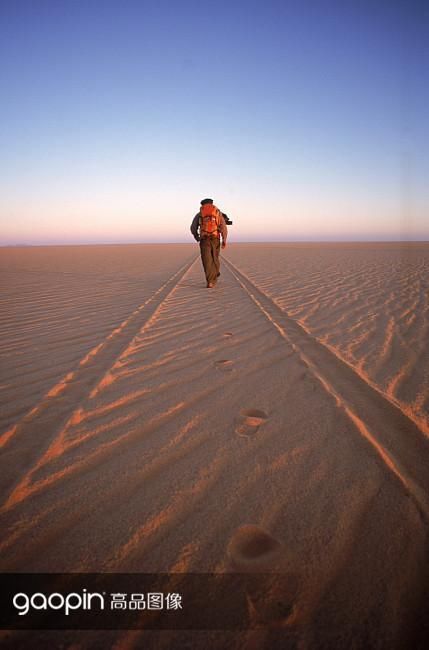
[{"x": 277, "y": 423}]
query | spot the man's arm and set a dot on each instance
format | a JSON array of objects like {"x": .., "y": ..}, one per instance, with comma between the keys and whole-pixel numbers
[
  {"x": 223, "y": 230},
  {"x": 194, "y": 227}
]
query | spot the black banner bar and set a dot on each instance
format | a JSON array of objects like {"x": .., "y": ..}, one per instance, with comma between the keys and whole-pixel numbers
[{"x": 110, "y": 601}]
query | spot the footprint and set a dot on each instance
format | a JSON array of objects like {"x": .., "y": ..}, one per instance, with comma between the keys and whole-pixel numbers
[
  {"x": 251, "y": 549},
  {"x": 224, "y": 364},
  {"x": 249, "y": 421},
  {"x": 269, "y": 579}
]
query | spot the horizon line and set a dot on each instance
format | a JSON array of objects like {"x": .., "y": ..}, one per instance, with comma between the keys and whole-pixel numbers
[{"x": 257, "y": 241}]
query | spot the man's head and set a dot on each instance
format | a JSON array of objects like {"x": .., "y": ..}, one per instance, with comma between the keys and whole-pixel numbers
[{"x": 205, "y": 201}]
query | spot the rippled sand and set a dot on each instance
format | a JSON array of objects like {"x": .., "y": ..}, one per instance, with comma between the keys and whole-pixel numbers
[
  {"x": 276, "y": 423},
  {"x": 368, "y": 302},
  {"x": 58, "y": 303}
]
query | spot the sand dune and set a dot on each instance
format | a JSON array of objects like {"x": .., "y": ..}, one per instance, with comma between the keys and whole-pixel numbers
[
  {"x": 59, "y": 303},
  {"x": 237, "y": 429},
  {"x": 368, "y": 302}
]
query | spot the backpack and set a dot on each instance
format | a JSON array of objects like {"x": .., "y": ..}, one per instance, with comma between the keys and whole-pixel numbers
[{"x": 209, "y": 220}]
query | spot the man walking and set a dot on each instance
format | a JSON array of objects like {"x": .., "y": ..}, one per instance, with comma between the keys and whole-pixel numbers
[{"x": 208, "y": 227}]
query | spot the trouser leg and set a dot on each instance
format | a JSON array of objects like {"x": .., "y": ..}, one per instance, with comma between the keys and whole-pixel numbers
[
  {"x": 210, "y": 258},
  {"x": 216, "y": 256},
  {"x": 206, "y": 256}
]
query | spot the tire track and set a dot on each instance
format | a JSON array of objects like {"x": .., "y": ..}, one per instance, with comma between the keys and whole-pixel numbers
[
  {"x": 24, "y": 443},
  {"x": 398, "y": 441}
]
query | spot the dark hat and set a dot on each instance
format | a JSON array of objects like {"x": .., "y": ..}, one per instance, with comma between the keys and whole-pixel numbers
[{"x": 205, "y": 201}]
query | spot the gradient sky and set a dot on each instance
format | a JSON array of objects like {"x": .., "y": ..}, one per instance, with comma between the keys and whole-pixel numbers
[{"x": 303, "y": 120}]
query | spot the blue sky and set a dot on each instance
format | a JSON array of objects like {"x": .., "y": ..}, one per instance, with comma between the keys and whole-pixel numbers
[{"x": 303, "y": 120}]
